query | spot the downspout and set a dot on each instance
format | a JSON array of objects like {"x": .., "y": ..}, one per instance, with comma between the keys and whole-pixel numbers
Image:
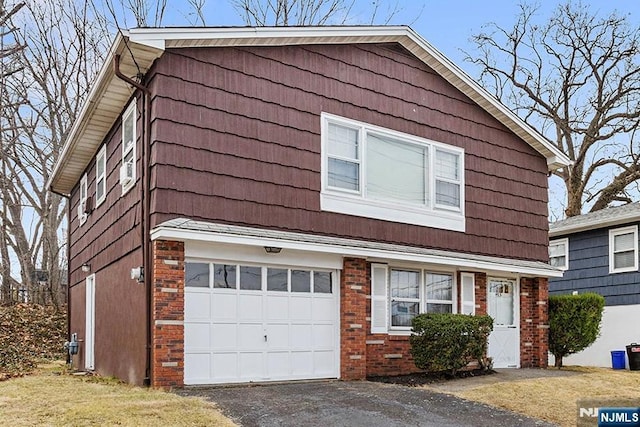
[
  {"x": 146, "y": 179},
  {"x": 66, "y": 196}
]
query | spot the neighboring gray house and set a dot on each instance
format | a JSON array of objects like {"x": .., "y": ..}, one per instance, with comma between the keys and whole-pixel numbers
[{"x": 599, "y": 252}]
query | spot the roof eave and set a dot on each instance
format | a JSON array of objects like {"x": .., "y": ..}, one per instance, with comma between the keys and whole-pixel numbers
[{"x": 594, "y": 225}]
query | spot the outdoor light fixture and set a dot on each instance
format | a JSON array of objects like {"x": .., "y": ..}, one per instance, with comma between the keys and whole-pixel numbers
[
  {"x": 272, "y": 249},
  {"x": 86, "y": 267}
]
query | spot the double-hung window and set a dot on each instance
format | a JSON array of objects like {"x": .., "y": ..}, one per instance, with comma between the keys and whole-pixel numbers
[
  {"x": 128, "y": 166},
  {"x": 559, "y": 253},
  {"x": 411, "y": 292},
  {"x": 623, "y": 249},
  {"x": 378, "y": 173},
  {"x": 101, "y": 175}
]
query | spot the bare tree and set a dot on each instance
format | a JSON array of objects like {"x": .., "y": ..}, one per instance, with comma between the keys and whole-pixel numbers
[
  {"x": 576, "y": 76},
  {"x": 63, "y": 41},
  {"x": 9, "y": 49},
  {"x": 309, "y": 12}
]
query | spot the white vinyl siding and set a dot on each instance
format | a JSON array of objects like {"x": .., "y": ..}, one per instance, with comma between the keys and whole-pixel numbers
[
  {"x": 623, "y": 249},
  {"x": 101, "y": 175},
  {"x": 379, "y": 173},
  {"x": 559, "y": 253}
]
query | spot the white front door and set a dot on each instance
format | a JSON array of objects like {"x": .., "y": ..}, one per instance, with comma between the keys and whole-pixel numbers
[
  {"x": 90, "y": 323},
  {"x": 503, "y": 307},
  {"x": 258, "y": 323}
]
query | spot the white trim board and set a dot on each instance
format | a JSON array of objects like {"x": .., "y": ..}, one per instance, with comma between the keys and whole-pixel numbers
[{"x": 187, "y": 230}]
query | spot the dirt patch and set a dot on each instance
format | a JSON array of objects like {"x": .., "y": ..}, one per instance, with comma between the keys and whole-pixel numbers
[{"x": 420, "y": 379}]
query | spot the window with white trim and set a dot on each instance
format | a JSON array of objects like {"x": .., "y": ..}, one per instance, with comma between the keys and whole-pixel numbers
[
  {"x": 559, "y": 253},
  {"x": 128, "y": 166},
  {"x": 380, "y": 173},
  {"x": 400, "y": 294},
  {"x": 82, "y": 203},
  {"x": 468, "y": 293},
  {"x": 623, "y": 249},
  {"x": 101, "y": 175}
]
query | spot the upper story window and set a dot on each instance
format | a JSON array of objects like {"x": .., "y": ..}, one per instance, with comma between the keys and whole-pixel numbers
[
  {"x": 623, "y": 249},
  {"x": 379, "y": 173},
  {"x": 101, "y": 175},
  {"x": 559, "y": 253},
  {"x": 128, "y": 166},
  {"x": 82, "y": 203}
]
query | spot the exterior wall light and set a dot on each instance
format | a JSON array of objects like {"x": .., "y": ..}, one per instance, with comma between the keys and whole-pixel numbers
[
  {"x": 86, "y": 267},
  {"x": 272, "y": 249}
]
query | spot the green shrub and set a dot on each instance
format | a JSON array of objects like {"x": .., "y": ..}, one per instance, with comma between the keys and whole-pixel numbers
[
  {"x": 448, "y": 342},
  {"x": 574, "y": 323},
  {"x": 29, "y": 333}
]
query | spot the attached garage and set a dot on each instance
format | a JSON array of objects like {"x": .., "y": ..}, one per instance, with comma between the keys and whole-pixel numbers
[{"x": 246, "y": 322}]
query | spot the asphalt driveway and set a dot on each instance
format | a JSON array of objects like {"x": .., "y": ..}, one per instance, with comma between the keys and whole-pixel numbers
[{"x": 352, "y": 403}]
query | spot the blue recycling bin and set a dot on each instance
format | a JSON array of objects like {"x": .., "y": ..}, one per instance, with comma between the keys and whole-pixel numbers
[{"x": 617, "y": 359}]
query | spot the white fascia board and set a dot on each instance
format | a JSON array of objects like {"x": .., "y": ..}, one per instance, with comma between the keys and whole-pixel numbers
[
  {"x": 170, "y": 233},
  {"x": 593, "y": 225}
]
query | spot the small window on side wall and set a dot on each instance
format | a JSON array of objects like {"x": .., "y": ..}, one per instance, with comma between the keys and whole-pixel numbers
[
  {"x": 559, "y": 253},
  {"x": 128, "y": 166},
  {"x": 82, "y": 203},
  {"x": 101, "y": 175},
  {"x": 623, "y": 249}
]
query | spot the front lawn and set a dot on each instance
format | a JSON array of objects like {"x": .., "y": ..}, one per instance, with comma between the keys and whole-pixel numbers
[
  {"x": 51, "y": 397},
  {"x": 555, "y": 399}
]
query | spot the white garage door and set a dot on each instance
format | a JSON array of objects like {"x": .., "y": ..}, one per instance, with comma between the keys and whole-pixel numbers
[{"x": 256, "y": 323}]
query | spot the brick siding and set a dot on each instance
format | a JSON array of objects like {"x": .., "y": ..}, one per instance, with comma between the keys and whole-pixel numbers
[{"x": 168, "y": 315}]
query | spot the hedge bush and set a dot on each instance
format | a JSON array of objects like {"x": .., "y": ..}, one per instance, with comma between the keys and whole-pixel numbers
[
  {"x": 29, "y": 333},
  {"x": 574, "y": 323},
  {"x": 448, "y": 342}
]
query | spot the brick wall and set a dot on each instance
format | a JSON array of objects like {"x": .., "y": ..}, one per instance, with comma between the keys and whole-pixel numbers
[
  {"x": 168, "y": 314},
  {"x": 353, "y": 319},
  {"x": 534, "y": 327}
]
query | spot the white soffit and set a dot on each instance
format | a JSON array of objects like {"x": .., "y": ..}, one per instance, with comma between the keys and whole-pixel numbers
[{"x": 110, "y": 94}]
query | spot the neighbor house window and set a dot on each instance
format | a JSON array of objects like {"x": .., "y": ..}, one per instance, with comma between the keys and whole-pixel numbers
[
  {"x": 128, "y": 166},
  {"x": 380, "y": 173},
  {"x": 410, "y": 292},
  {"x": 559, "y": 253},
  {"x": 623, "y": 249},
  {"x": 101, "y": 177},
  {"x": 82, "y": 203}
]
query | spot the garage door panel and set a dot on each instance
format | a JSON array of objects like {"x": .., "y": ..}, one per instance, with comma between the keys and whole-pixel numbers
[
  {"x": 250, "y": 336},
  {"x": 323, "y": 310},
  {"x": 301, "y": 337},
  {"x": 301, "y": 308},
  {"x": 225, "y": 366},
  {"x": 324, "y": 362},
  {"x": 197, "y": 366},
  {"x": 278, "y": 336},
  {"x": 323, "y": 337},
  {"x": 250, "y": 307},
  {"x": 251, "y": 366},
  {"x": 224, "y": 336},
  {"x": 278, "y": 365},
  {"x": 302, "y": 363},
  {"x": 197, "y": 306},
  {"x": 223, "y": 306},
  {"x": 196, "y": 336},
  {"x": 277, "y": 307}
]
